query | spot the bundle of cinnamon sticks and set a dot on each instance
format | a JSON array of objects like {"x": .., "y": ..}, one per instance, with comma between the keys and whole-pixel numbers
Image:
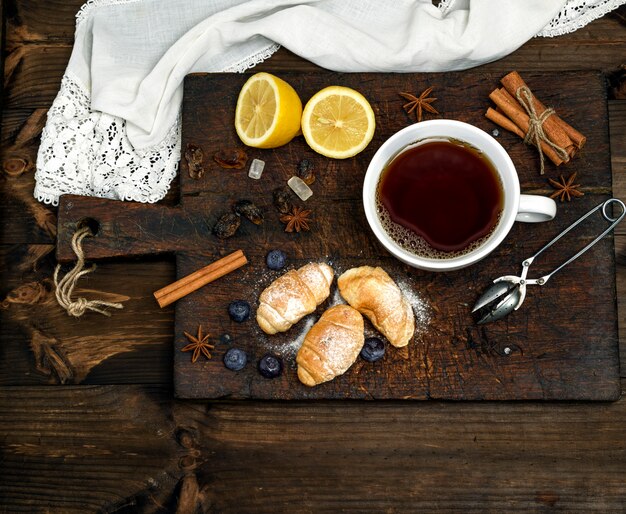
[{"x": 512, "y": 116}]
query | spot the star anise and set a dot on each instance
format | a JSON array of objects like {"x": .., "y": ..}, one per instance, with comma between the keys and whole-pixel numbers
[
  {"x": 565, "y": 189},
  {"x": 298, "y": 219},
  {"x": 419, "y": 104},
  {"x": 199, "y": 344}
]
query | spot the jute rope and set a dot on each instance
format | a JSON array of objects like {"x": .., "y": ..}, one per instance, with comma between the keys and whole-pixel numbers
[
  {"x": 64, "y": 288},
  {"x": 535, "y": 134}
]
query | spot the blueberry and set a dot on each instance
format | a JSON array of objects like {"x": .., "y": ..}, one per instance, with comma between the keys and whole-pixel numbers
[
  {"x": 235, "y": 359},
  {"x": 226, "y": 339},
  {"x": 373, "y": 349},
  {"x": 239, "y": 311},
  {"x": 276, "y": 259},
  {"x": 270, "y": 366}
]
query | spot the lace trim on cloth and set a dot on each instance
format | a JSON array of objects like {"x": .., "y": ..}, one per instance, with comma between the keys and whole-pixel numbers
[
  {"x": 574, "y": 15},
  {"x": 578, "y": 13},
  {"x": 445, "y": 5},
  {"x": 253, "y": 60},
  {"x": 86, "y": 9},
  {"x": 88, "y": 153}
]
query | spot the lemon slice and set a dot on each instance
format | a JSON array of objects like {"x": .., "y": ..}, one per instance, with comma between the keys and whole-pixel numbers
[
  {"x": 338, "y": 122},
  {"x": 268, "y": 112}
]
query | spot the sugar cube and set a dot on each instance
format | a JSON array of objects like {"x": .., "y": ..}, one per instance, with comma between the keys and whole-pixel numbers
[
  {"x": 256, "y": 169},
  {"x": 300, "y": 188}
]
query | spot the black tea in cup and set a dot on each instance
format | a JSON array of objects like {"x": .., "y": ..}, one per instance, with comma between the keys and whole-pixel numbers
[{"x": 440, "y": 198}]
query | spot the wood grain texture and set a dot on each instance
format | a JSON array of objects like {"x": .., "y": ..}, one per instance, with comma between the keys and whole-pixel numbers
[
  {"x": 488, "y": 457},
  {"x": 42, "y": 344},
  {"x": 86, "y": 449},
  {"x": 24, "y": 219},
  {"x": 134, "y": 449},
  {"x": 451, "y": 357},
  {"x": 385, "y": 458}
]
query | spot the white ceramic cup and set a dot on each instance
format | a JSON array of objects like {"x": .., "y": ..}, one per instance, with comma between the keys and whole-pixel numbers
[{"x": 517, "y": 207}]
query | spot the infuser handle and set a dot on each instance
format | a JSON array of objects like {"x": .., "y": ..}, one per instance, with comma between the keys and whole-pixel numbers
[{"x": 613, "y": 220}]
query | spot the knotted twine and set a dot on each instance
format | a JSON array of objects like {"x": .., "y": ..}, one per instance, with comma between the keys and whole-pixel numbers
[
  {"x": 536, "y": 134},
  {"x": 64, "y": 288}
]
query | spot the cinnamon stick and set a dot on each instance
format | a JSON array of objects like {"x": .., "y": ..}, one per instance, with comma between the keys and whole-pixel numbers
[
  {"x": 512, "y": 99},
  {"x": 554, "y": 127},
  {"x": 176, "y": 290},
  {"x": 500, "y": 119},
  {"x": 520, "y": 119},
  {"x": 504, "y": 122}
]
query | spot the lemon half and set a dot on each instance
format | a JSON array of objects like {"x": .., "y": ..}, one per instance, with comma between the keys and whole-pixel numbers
[
  {"x": 268, "y": 112},
  {"x": 338, "y": 122}
]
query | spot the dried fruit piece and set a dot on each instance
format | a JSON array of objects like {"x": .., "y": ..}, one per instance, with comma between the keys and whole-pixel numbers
[
  {"x": 282, "y": 200},
  {"x": 300, "y": 188},
  {"x": 306, "y": 171},
  {"x": 227, "y": 225},
  {"x": 250, "y": 211},
  {"x": 231, "y": 158},
  {"x": 194, "y": 157}
]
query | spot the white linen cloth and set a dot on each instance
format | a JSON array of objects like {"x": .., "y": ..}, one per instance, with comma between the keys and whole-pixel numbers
[{"x": 113, "y": 130}]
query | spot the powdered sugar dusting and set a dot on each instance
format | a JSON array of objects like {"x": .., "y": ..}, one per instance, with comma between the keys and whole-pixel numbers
[
  {"x": 336, "y": 298},
  {"x": 286, "y": 345},
  {"x": 289, "y": 350},
  {"x": 421, "y": 308}
]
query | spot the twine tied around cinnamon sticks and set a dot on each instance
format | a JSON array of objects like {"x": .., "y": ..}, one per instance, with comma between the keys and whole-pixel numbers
[
  {"x": 64, "y": 288},
  {"x": 536, "y": 134},
  {"x": 520, "y": 112}
]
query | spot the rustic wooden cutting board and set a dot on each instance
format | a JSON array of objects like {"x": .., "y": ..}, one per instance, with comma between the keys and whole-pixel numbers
[{"x": 562, "y": 344}]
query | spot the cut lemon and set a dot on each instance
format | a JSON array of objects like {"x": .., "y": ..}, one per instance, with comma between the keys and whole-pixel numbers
[
  {"x": 338, "y": 122},
  {"x": 268, "y": 112}
]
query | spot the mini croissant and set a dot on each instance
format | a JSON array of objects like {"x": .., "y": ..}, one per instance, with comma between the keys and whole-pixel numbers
[
  {"x": 374, "y": 294},
  {"x": 292, "y": 296},
  {"x": 331, "y": 346}
]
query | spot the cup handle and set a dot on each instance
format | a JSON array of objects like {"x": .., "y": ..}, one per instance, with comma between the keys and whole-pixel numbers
[{"x": 534, "y": 209}]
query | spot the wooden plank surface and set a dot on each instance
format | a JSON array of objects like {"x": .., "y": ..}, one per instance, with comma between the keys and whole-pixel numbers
[
  {"x": 124, "y": 448},
  {"x": 537, "y": 457},
  {"x": 450, "y": 358}
]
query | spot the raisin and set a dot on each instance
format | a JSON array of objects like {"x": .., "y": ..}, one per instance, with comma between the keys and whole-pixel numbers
[
  {"x": 282, "y": 200},
  {"x": 231, "y": 158},
  {"x": 227, "y": 225},
  {"x": 306, "y": 171},
  {"x": 194, "y": 157},
  {"x": 250, "y": 211}
]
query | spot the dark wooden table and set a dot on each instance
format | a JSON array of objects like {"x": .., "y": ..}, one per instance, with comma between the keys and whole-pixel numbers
[{"x": 112, "y": 439}]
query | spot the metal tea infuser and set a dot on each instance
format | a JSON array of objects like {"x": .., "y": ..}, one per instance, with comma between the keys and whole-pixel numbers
[{"x": 507, "y": 293}]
